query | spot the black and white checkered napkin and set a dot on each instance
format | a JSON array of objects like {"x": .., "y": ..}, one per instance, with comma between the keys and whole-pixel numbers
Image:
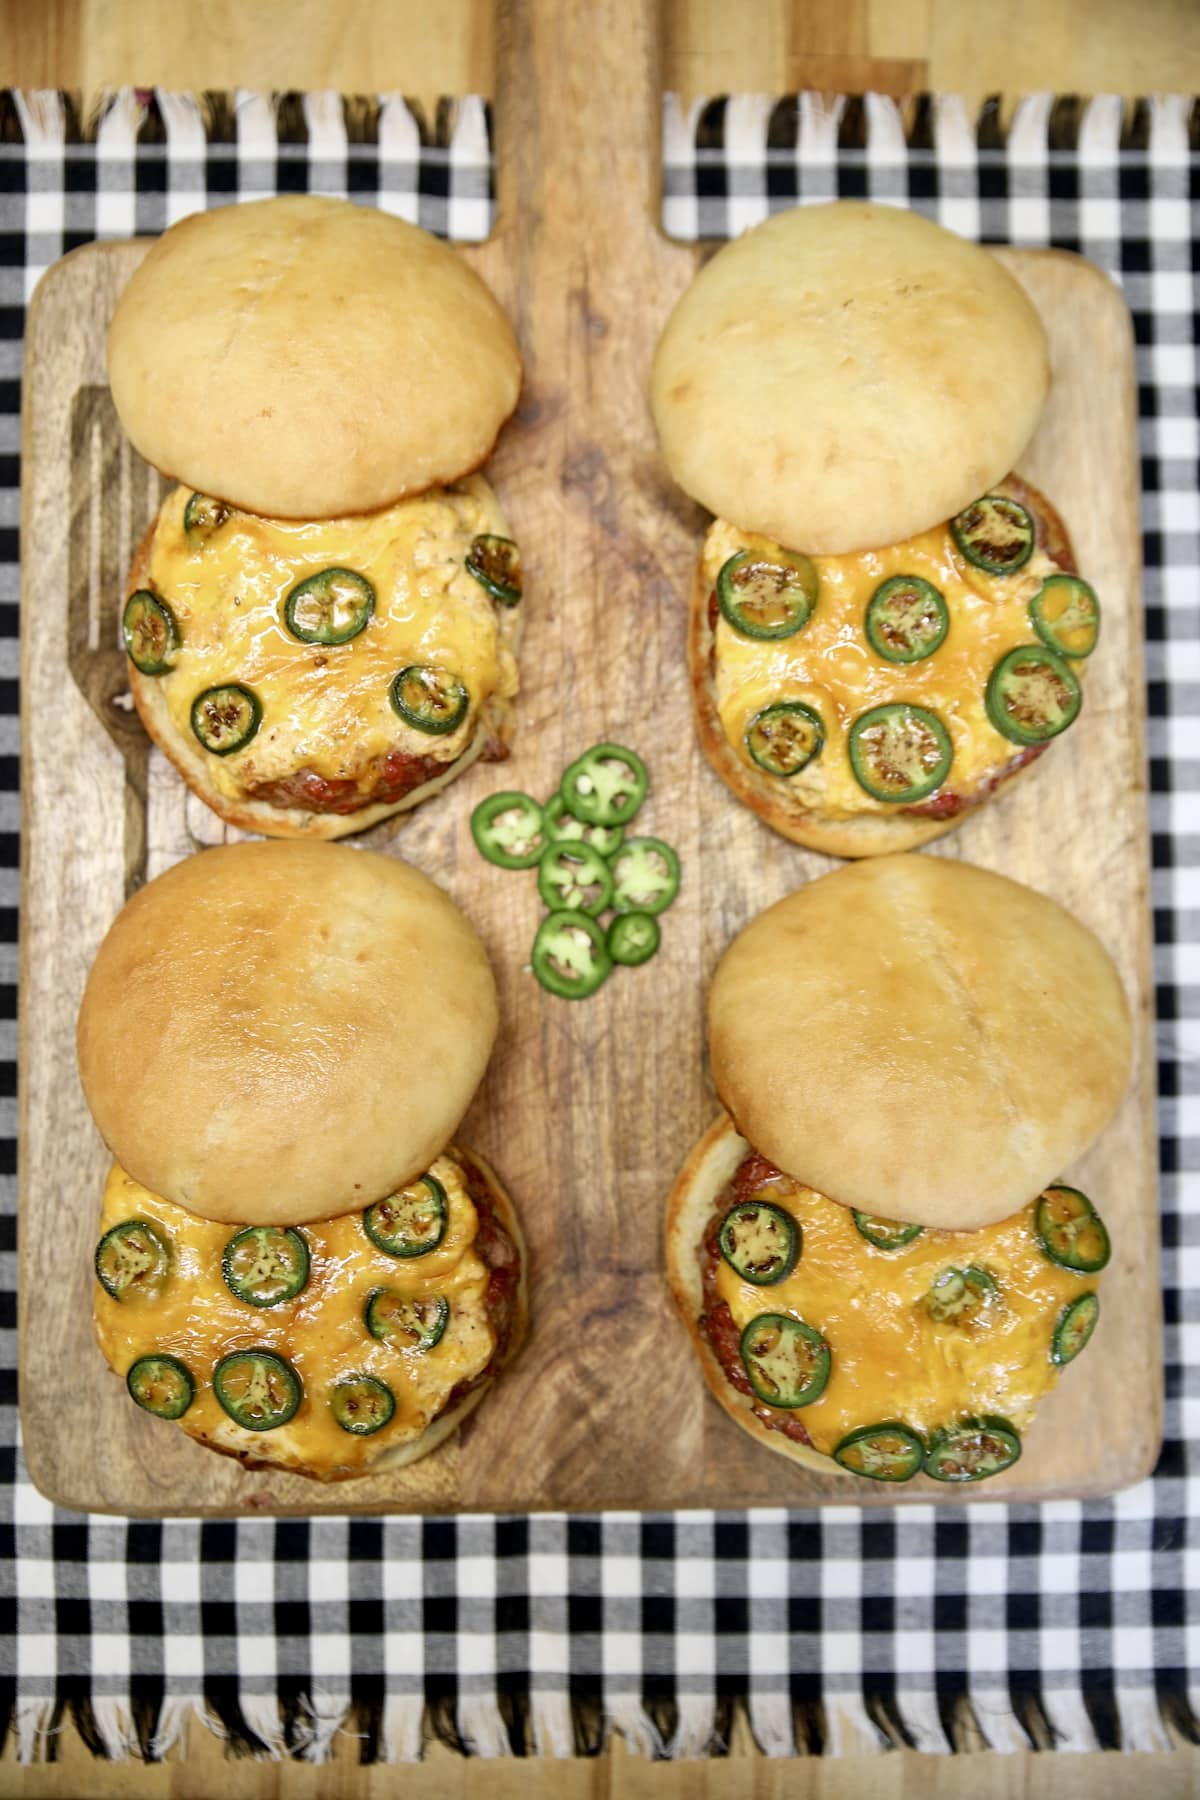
[{"x": 1064, "y": 1623}]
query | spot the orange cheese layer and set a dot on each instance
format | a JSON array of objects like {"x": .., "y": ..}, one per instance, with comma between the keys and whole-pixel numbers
[
  {"x": 890, "y": 1359},
  {"x": 321, "y": 1332},
  {"x": 830, "y": 665},
  {"x": 327, "y": 706}
]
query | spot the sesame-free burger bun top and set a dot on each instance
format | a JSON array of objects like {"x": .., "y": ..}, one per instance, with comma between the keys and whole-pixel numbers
[
  {"x": 843, "y": 377},
  {"x": 279, "y": 1032},
  {"x": 304, "y": 357},
  {"x": 920, "y": 1039}
]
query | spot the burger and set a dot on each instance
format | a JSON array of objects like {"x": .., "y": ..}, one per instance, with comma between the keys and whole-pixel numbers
[
  {"x": 322, "y": 620},
  {"x": 877, "y": 1250},
  {"x": 295, "y": 1259},
  {"x": 887, "y": 622}
]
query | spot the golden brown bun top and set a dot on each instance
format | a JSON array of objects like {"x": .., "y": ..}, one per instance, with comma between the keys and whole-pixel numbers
[
  {"x": 846, "y": 376},
  {"x": 920, "y": 1039},
  {"x": 304, "y": 357},
  {"x": 279, "y": 1032}
]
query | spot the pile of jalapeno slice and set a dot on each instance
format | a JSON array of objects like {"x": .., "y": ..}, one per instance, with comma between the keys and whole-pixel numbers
[{"x": 587, "y": 867}]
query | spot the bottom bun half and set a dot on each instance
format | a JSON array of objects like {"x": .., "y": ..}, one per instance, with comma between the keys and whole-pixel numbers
[{"x": 693, "y": 1200}]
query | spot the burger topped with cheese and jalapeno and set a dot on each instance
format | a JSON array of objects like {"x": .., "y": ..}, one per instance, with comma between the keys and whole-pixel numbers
[
  {"x": 323, "y": 619},
  {"x": 887, "y": 622},
  {"x": 878, "y": 1250}
]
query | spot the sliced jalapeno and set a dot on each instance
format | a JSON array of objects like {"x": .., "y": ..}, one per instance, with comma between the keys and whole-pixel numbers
[
  {"x": 161, "y": 1385},
  {"x": 972, "y": 1451},
  {"x": 759, "y": 1241},
  {"x": 995, "y": 534},
  {"x": 1075, "y": 1326},
  {"x": 203, "y": 515},
  {"x": 225, "y": 718},
  {"x": 787, "y": 1361},
  {"x": 907, "y": 619},
  {"x": 1032, "y": 695},
  {"x": 563, "y": 827},
  {"x": 570, "y": 956},
  {"x": 408, "y": 1324},
  {"x": 645, "y": 876},
  {"x": 132, "y": 1258},
  {"x": 886, "y": 1234},
  {"x": 509, "y": 830},
  {"x": 575, "y": 878},
  {"x": 330, "y": 607},
  {"x": 605, "y": 786},
  {"x": 1065, "y": 613},
  {"x": 495, "y": 562},
  {"x": 957, "y": 1295},
  {"x": 410, "y": 1222},
  {"x": 429, "y": 699},
  {"x": 632, "y": 938},
  {"x": 785, "y": 737},
  {"x": 264, "y": 1265},
  {"x": 362, "y": 1404},
  {"x": 258, "y": 1389},
  {"x": 1071, "y": 1231},
  {"x": 900, "y": 753},
  {"x": 890, "y": 1452},
  {"x": 767, "y": 597},
  {"x": 151, "y": 633}
]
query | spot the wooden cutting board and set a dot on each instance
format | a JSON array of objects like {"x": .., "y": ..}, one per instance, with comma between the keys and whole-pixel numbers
[{"x": 587, "y": 1109}]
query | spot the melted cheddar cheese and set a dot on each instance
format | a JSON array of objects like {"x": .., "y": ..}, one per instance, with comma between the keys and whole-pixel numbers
[
  {"x": 327, "y": 707},
  {"x": 890, "y": 1358},
  {"x": 830, "y": 665},
  {"x": 194, "y": 1316}
]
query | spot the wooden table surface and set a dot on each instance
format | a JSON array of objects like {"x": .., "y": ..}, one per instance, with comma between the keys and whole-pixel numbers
[{"x": 430, "y": 47}]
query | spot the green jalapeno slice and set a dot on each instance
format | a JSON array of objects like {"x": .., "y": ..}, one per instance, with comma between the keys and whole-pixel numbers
[
  {"x": 429, "y": 699},
  {"x": 632, "y": 938},
  {"x": 900, "y": 753},
  {"x": 258, "y": 1389},
  {"x": 767, "y": 597},
  {"x": 225, "y": 718},
  {"x": 1071, "y": 1231},
  {"x": 788, "y": 1362},
  {"x": 575, "y": 878},
  {"x": 563, "y": 827},
  {"x": 907, "y": 619},
  {"x": 1075, "y": 1326},
  {"x": 1065, "y": 613},
  {"x": 407, "y": 1324},
  {"x": 995, "y": 534},
  {"x": 362, "y": 1404},
  {"x": 509, "y": 830},
  {"x": 957, "y": 1295},
  {"x": 889, "y": 1452},
  {"x": 330, "y": 607},
  {"x": 759, "y": 1241},
  {"x": 202, "y": 515},
  {"x": 645, "y": 876},
  {"x": 151, "y": 633},
  {"x": 264, "y": 1265},
  {"x": 605, "y": 786},
  {"x": 972, "y": 1451},
  {"x": 886, "y": 1234},
  {"x": 132, "y": 1258},
  {"x": 410, "y": 1222},
  {"x": 570, "y": 956},
  {"x": 495, "y": 562},
  {"x": 784, "y": 738},
  {"x": 1032, "y": 695},
  {"x": 161, "y": 1384}
]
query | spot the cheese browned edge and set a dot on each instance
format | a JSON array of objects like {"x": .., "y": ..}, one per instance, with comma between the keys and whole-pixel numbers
[{"x": 874, "y": 833}]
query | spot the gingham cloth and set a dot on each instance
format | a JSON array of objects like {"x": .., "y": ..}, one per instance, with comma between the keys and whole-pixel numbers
[{"x": 1077, "y": 1625}]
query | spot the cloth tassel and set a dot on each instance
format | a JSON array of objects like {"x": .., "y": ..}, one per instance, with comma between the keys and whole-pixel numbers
[
  {"x": 402, "y": 1737},
  {"x": 1141, "y": 1722},
  {"x": 171, "y": 1732},
  {"x": 261, "y": 1713},
  {"x": 630, "y": 1718},
  {"x": 851, "y": 1730},
  {"x": 550, "y": 1725},
  {"x": 114, "y": 1727},
  {"x": 34, "y": 1719},
  {"x": 326, "y": 1718},
  {"x": 696, "y": 1727},
  {"x": 481, "y": 1727},
  {"x": 770, "y": 1717}
]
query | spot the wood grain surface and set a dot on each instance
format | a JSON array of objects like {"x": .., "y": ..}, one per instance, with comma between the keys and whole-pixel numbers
[{"x": 587, "y": 1109}]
